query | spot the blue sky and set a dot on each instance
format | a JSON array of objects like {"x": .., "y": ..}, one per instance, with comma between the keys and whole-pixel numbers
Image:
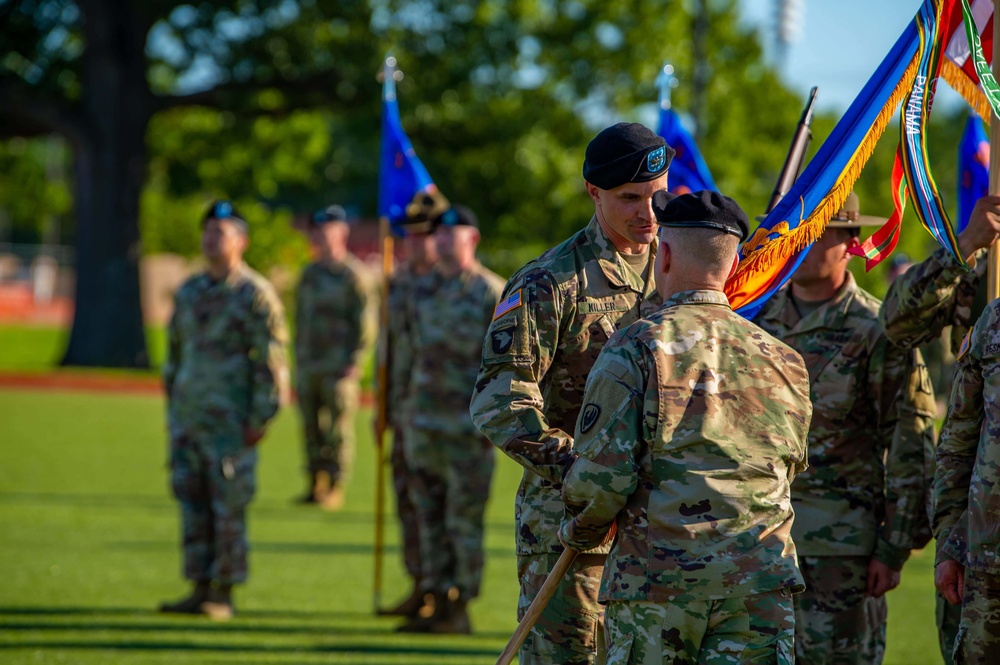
[{"x": 840, "y": 44}]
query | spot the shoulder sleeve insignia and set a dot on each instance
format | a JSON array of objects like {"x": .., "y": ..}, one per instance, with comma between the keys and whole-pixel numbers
[
  {"x": 590, "y": 414},
  {"x": 963, "y": 350},
  {"x": 508, "y": 304}
]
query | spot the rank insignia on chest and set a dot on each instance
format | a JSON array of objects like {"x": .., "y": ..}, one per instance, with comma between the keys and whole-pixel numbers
[
  {"x": 501, "y": 339},
  {"x": 508, "y": 304}
]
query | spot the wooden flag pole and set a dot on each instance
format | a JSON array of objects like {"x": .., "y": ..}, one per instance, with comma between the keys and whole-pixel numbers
[
  {"x": 993, "y": 269},
  {"x": 381, "y": 409}
]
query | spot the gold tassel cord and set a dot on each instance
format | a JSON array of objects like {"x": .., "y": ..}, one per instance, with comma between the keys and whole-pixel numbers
[
  {"x": 809, "y": 230},
  {"x": 963, "y": 85}
]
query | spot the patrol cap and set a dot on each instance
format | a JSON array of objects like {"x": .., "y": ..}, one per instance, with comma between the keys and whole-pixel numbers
[
  {"x": 849, "y": 216},
  {"x": 224, "y": 209},
  {"x": 705, "y": 209},
  {"x": 457, "y": 215},
  {"x": 626, "y": 152},
  {"x": 334, "y": 213}
]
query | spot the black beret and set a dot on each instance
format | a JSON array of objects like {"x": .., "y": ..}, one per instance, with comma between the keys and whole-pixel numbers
[
  {"x": 223, "y": 209},
  {"x": 457, "y": 215},
  {"x": 626, "y": 152},
  {"x": 705, "y": 209},
  {"x": 334, "y": 213}
]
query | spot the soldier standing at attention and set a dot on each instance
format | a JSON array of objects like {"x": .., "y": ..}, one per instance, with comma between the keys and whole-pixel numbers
[
  {"x": 419, "y": 256},
  {"x": 862, "y": 505},
  {"x": 224, "y": 378},
  {"x": 694, "y": 425},
  {"x": 557, "y": 313},
  {"x": 920, "y": 303},
  {"x": 450, "y": 463},
  {"x": 331, "y": 328},
  {"x": 967, "y": 508}
]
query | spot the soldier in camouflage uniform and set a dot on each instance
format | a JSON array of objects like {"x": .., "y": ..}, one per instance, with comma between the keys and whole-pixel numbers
[
  {"x": 862, "y": 505},
  {"x": 450, "y": 463},
  {"x": 332, "y": 325},
  {"x": 925, "y": 299},
  {"x": 420, "y": 255},
  {"x": 694, "y": 425},
  {"x": 556, "y": 314},
  {"x": 224, "y": 379},
  {"x": 967, "y": 508}
]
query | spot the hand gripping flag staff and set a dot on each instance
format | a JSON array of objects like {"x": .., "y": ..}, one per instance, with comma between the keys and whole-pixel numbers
[
  {"x": 942, "y": 40},
  {"x": 405, "y": 192},
  {"x": 688, "y": 170}
]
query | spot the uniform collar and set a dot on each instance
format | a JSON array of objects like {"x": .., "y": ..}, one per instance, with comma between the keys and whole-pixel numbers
[
  {"x": 619, "y": 273},
  {"x": 231, "y": 279},
  {"x": 831, "y": 314},
  {"x": 699, "y": 297}
]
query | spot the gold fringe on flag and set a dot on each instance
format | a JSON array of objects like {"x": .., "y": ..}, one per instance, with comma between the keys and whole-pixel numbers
[
  {"x": 963, "y": 85},
  {"x": 809, "y": 230}
]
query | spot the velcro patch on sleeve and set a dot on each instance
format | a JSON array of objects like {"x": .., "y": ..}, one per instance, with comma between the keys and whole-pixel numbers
[{"x": 508, "y": 304}]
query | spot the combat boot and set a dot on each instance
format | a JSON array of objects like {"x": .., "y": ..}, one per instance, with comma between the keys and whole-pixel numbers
[
  {"x": 310, "y": 495},
  {"x": 329, "y": 493},
  {"x": 219, "y": 605},
  {"x": 409, "y": 606},
  {"x": 191, "y": 604},
  {"x": 455, "y": 619},
  {"x": 433, "y": 607}
]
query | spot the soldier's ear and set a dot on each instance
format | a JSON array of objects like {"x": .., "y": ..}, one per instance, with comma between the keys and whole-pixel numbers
[
  {"x": 736, "y": 263},
  {"x": 663, "y": 257}
]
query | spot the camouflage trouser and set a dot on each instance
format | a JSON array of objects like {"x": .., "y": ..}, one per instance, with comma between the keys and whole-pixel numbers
[
  {"x": 570, "y": 630},
  {"x": 948, "y": 617},
  {"x": 213, "y": 478},
  {"x": 328, "y": 405},
  {"x": 978, "y": 640},
  {"x": 750, "y": 629},
  {"x": 835, "y": 622},
  {"x": 449, "y": 485},
  {"x": 404, "y": 506}
]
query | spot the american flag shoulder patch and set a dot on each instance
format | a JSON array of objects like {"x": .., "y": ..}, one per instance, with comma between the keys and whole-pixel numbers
[{"x": 508, "y": 304}]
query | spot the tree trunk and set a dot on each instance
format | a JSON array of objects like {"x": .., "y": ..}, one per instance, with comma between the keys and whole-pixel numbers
[{"x": 109, "y": 168}]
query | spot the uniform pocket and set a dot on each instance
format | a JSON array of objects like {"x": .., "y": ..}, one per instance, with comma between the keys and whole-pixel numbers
[{"x": 620, "y": 651}]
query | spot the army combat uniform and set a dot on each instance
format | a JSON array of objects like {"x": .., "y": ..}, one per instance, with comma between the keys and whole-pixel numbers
[
  {"x": 399, "y": 359},
  {"x": 450, "y": 463},
  {"x": 967, "y": 507},
  {"x": 694, "y": 425},
  {"x": 331, "y": 329},
  {"x": 556, "y": 314},
  {"x": 920, "y": 303},
  {"x": 226, "y": 372},
  {"x": 870, "y": 466}
]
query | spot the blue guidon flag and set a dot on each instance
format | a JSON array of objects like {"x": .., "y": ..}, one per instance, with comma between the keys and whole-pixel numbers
[
  {"x": 405, "y": 188},
  {"x": 508, "y": 304},
  {"x": 688, "y": 170}
]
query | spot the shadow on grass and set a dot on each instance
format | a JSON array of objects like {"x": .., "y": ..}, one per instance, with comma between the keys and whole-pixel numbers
[
  {"x": 365, "y": 549},
  {"x": 437, "y": 649}
]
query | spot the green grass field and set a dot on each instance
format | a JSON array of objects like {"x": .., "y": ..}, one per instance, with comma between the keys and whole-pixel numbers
[{"x": 89, "y": 546}]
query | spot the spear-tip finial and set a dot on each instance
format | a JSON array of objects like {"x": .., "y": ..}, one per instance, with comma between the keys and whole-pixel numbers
[{"x": 666, "y": 81}]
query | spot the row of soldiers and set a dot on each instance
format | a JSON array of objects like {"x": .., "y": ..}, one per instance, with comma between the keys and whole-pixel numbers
[
  {"x": 226, "y": 372},
  {"x": 737, "y": 491}
]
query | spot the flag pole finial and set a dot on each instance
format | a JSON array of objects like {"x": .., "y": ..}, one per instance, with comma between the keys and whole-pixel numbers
[
  {"x": 666, "y": 81},
  {"x": 388, "y": 77}
]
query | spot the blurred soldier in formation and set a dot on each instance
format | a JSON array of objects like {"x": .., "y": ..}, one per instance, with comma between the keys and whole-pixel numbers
[
  {"x": 332, "y": 325},
  {"x": 556, "y": 314},
  {"x": 934, "y": 294},
  {"x": 449, "y": 462},
  {"x": 693, "y": 427},
  {"x": 862, "y": 504},
  {"x": 224, "y": 378},
  {"x": 419, "y": 257}
]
